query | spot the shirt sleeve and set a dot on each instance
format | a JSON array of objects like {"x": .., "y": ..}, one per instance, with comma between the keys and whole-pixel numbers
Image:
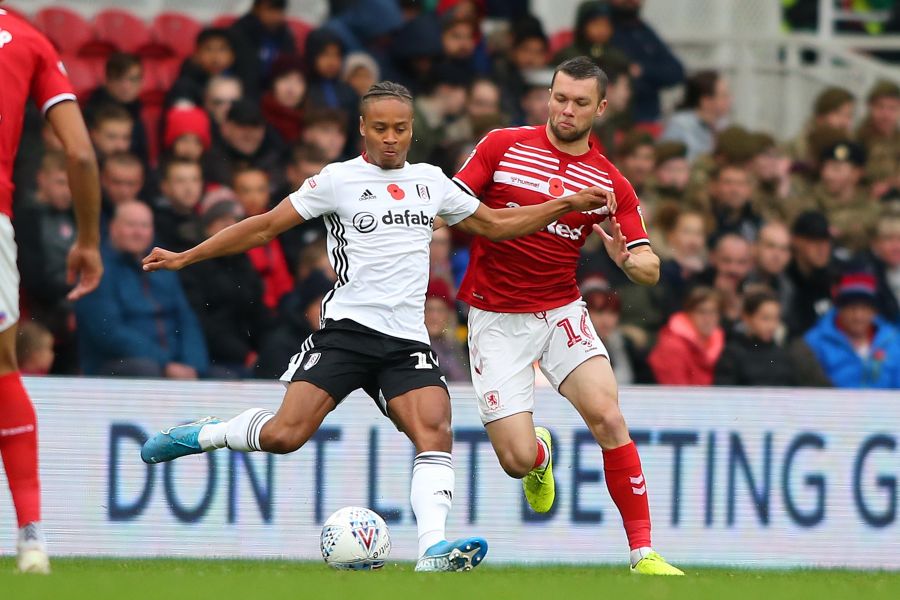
[
  {"x": 49, "y": 83},
  {"x": 478, "y": 170},
  {"x": 456, "y": 204},
  {"x": 316, "y": 196},
  {"x": 628, "y": 213}
]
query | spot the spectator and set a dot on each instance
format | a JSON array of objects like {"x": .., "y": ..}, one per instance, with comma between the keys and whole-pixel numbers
[
  {"x": 885, "y": 263},
  {"x": 305, "y": 161},
  {"x": 282, "y": 104},
  {"x": 213, "y": 55},
  {"x": 440, "y": 251},
  {"x": 671, "y": 175},
  {"x": 771, "y": 257},
  {"x": 440, "y": 322},
  {"x": 111, "y": 129},
  {"x": 226, "y": 294},
  {"x": 220, "y": 93},
  {"x": 527, "y": 54},
  {"x": 121, "y": 180},
  {"x": 879, "y": 133},
  {"x": 326, "y": 129},
  {"x": 251, "y": 186},
  {"x": 245, "y": 142},
  {"x": 811, "y": 272},
  {"x": 443, "y": 101},
  {"x": 34, "y": 349},
  {"x": 604, "y": 309},
  {"x": 851, "y": 212},
  {"x": 175, "y": 211},
  {"x": 730, "y": 264},
  {"x": 137, "y": 323},
  {"x": 771, "y": 168},
  {"x": 534, "y": 105},
  {"x": 187, "y": 134},
  {"x": 686, "y": 243},
  {"x": 704, "y": 111},
  {"x": 636, "y": 159},
  {"x": 593, "y": 32},
  {"x": 833, "y": 108},
  {"x": 657, "y": 68},
  {"x": 616, "y": 120},
  {"x": 731, "y": 195},
  {"x": 482, "y": 113},
  {"x": 415, "y": 49},
  {"x": 691, "y": 342},
  {"x": 324, "y": 65},
  {"x": 45, "y": 230},
  {"x": 122, "y": 85},
  {"x": 459, "y": 41},
  {"x": 360, "y": 72},
  {"x": 856, "y": 347},
  {"x": 264, "y": 35}
]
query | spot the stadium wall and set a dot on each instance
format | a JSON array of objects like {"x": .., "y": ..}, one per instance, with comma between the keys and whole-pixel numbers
[{"x": 750, "y": 477}]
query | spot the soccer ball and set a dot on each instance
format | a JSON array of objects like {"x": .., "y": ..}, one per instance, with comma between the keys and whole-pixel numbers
[{"x": 354, "y": 539}]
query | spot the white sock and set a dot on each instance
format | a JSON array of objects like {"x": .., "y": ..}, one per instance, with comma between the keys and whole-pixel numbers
[
  {"x": 431, "y": 493},
  {"x": 31, "y": 537},
  {"x": 546, "y": 461},
  {"x": 240, "y": 433},
  {"x": 638, "y": 553}
]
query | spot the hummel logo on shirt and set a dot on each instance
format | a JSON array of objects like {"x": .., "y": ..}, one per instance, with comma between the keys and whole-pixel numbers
[{"x": 367, "y": 195}]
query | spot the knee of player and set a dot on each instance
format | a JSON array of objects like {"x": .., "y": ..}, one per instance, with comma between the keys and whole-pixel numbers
[
  {"x": 281, "y": 440},
  {"x": 608, "y": 420},
  {"x": 515, "y": 462}
]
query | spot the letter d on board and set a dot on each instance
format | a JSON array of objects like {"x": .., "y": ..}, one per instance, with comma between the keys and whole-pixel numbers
[{"x": 117, "y": 509}]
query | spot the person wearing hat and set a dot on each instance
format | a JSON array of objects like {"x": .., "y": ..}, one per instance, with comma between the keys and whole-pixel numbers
[
  {"x": 811, "y": 272},
  {"x": 245, "y": 140},
  {"x": 834, "y": 107},
  {"x": 282, "y": 103},
  {"x": 856, "y": 347},
  {"x": 706, "y": 106},
  {"x": 186, "y": 133},
  {"x": 593, "y": 32},
  {"x": 879, "y": 133},
  {"x": 851, "y": 211},
  {"x": 226, "y": 293}
]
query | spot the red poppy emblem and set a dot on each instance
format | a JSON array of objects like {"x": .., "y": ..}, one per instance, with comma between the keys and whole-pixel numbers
[
  {"x": 556, "y": 187},
  {"x": 396, "y": 192}
]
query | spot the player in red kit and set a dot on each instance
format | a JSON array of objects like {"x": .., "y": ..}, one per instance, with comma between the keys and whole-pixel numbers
[
  {"x": 31, "y": 69},
  {"x": 526, "y": 305}
]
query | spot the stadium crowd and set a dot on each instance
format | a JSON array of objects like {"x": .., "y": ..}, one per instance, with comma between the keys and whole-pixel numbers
[{"x": 780, "y": 257}]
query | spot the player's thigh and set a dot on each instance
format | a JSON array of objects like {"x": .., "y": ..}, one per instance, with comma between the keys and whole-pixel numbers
[
  {"x": 502, "y": 351},
  {"x": 9, "y": 296},
  {"x": 513, "y": 440},
  {"x": 592, "y": 390},
  {"x": 423, "y": 414},
  {"x": 300, "y": 415},
  {"x": 572, "y": 341}
]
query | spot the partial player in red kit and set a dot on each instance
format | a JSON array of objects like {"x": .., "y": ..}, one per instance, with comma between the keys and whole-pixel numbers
[
  {"x": 526, "y": 306},
  {"x": 31, "y": 69}
]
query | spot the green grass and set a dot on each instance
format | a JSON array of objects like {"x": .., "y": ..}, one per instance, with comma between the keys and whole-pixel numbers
[{"x": 97, "y": 579}]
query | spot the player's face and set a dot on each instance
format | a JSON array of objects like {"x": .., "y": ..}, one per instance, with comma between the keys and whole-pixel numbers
[
  {"x": 183, "y": 186},
  {"x": 764, "y": 323},
  {"x": 386, "y": 127},
  {"x": 574, "y": 103}
]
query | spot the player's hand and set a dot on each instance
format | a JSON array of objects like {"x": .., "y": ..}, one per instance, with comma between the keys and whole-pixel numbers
[
  {"x": 84, "y": 268},
  {"x": 160, "y": 258},
  {"x": 180, "y": 371},
  {"x": 592, "y": 198},
  {"x": 615, "y": 244}
]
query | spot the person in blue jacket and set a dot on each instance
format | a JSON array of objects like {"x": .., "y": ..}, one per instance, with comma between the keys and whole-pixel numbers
[
  {"x": 136, "y": 323},
  {"x": 856, "y": 347}
]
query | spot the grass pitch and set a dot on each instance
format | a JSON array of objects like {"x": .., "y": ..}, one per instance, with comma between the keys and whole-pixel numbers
[{"x": 99, "y": 579}]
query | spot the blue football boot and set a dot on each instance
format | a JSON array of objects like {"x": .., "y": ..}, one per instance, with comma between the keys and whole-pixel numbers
[
  {"x": 461, "y": 555},
  {"x": 175, "y": 442}
]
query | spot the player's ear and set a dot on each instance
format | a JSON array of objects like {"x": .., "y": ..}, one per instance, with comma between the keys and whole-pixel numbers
[
  {"x": 362, "y": 126},
  {"x": 601, "y": 108}
]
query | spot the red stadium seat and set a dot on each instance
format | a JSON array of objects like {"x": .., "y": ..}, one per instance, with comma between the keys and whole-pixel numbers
[
  {"x": 224, "y": 21},
  {"x": 121, "y": 29},
  {"x": 560, "y": 40},
  {"x": 85, "y": 74},
  {"x": 68, "y": 30},
  {"x": 300, "y": 29},
  {"x": 176, "y": 31},
  {"x": 163, "y": 71},
  {"x": 151, "y": 115}
]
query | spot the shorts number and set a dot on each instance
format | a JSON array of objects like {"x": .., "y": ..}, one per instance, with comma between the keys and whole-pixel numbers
[
  {"x": 422, "y": 358},
  {"x": 574, "y": 338}
]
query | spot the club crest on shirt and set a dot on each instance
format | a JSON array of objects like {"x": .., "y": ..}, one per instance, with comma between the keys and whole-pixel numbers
[
  {"x": 312, "y": 361},
  {"x": 423, "y": 192},
  {"x": 492, "y": 399}
]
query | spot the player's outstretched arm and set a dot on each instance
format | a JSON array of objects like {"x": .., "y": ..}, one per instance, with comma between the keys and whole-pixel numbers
[
  {"x": 240, "y": 237},
  {"x": 641, "y": 265},
  {"x": 508, "y": 223},
  {"x": 84, "y": 267}
]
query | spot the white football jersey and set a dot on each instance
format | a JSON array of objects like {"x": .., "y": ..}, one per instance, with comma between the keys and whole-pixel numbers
[{"x": 379, "y": 225}]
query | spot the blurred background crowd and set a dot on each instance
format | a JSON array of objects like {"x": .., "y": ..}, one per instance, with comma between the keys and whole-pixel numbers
[{"x": 780, "y": 253}]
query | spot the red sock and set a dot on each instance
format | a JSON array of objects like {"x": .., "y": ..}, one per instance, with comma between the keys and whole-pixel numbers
[
  {"x": 625, "y": 481},
  {"x": 18, "y": 445},
  {"x": 541, "y": 455}
]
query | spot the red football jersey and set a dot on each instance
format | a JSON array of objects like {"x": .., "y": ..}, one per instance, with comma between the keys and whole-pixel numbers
[
  {"x": 29, "y": 68},
  {"x": 520, "y": 167}
]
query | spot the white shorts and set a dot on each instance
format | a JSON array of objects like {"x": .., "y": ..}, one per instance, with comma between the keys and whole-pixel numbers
[
  {"x": 504, "y": 346},
  {"x": 9, "y": 276}
]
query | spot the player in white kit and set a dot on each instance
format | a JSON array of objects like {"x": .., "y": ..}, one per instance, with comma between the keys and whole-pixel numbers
[{"x": 380, "y": 213}]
